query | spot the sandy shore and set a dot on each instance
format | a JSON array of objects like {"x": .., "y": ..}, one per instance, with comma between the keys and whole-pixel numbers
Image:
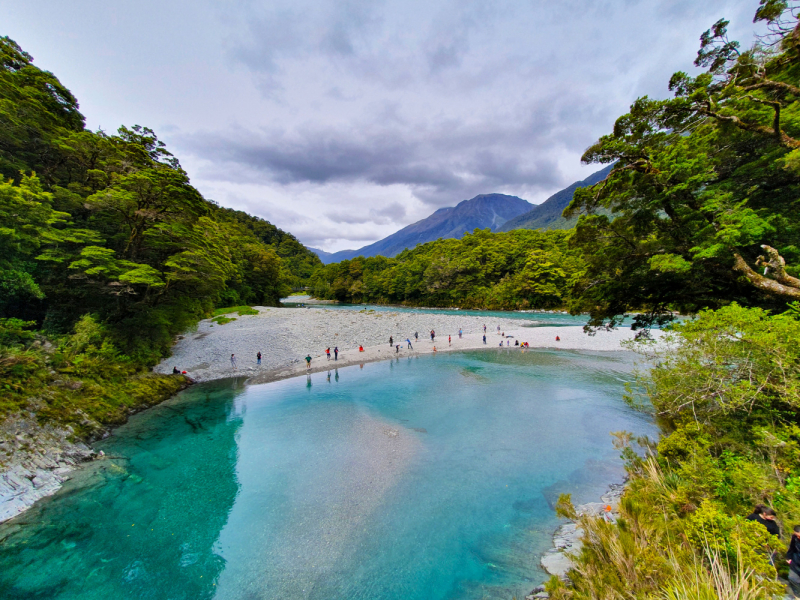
[{"x": 284, "y": 336}]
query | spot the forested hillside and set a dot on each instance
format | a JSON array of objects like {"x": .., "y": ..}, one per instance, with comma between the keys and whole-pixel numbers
[
  {"x": 104, "y": 240},
  {"x": 505, "y": 271},
  {"x": 109, "y": 224}
]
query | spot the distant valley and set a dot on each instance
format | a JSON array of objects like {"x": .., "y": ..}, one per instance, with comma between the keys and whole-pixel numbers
[{"x": 498, "y": 212}]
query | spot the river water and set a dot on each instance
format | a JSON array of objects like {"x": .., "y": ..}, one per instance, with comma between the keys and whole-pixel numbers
[{"x": 422, "y": 478}]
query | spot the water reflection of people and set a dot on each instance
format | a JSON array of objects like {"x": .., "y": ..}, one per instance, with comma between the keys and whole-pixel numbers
[
  {"x": 361, "y": 365},
  {"x": 336, "y": 375},
  {"x": 329, "y": 376},
  {"x": 308, "y": 380}
]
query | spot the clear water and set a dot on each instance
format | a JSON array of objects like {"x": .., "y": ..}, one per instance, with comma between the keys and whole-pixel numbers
[
  {"x": 424, "y": 478},
  {"x": 541, "y": 318}
]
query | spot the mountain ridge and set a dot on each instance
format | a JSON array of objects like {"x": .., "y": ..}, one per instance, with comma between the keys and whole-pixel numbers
[
  {"x": 482, "y": 211},
  {"x": 547, "y": 215}
]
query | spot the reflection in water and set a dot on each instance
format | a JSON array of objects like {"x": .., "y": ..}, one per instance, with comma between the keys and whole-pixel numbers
[
  {"x": 125, "y": 527},
  {"x": 424, "y": 480}
]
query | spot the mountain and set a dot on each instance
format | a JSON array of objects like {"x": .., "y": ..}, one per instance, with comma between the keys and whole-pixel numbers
[
  {"x": 547, "y": 215},
  {"x": 326, "y": 257},
  {"x": 486, "y": 210}
]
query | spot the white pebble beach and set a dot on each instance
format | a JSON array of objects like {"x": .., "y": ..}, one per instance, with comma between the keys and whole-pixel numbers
[{"x": 285, "y": 336}]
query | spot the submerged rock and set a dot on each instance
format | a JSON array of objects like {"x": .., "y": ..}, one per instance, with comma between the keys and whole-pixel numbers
[
  {"x": 34, "y": 464},
  {"x": 567, "y": 538}
]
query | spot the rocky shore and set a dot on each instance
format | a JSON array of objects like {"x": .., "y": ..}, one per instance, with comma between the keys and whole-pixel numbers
[
  {"x": 34, "y": 462},
  {"x": 567, "y": 538}
]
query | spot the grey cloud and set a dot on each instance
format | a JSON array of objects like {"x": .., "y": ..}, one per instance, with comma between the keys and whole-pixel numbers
[{"x": 442, "y": 163}]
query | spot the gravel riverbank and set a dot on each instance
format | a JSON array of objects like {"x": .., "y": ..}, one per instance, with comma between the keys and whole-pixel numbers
[{"x": 284, "y": 336}]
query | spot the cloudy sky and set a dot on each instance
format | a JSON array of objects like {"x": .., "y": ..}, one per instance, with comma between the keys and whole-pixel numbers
[{"x": 344, "y": 120}]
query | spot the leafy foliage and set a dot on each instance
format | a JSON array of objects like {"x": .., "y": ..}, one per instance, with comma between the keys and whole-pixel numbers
[
  {"x": 111, "y": 225},
  {"x": 704, "y": 191},
  {"x": 725, "y": 390},
  {"x": 515, "y": 270}
]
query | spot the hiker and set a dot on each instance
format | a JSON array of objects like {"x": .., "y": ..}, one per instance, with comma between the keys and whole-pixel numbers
[
  {"x": 501, "y": 343},
  {"x": 484, "y": 328},
  {"x": 336, "y": 357},
  {"x": 516, "y": 342},
  {"x": 308, "y": 361},
  {"x": 484, "y": 338},
  {"x": 258, "y": 358},
  {"x": 408, "y": 341},
  {"x": 361, "y": 348},
  {"x": 328, "y": 352},
  {"x": 397, "y": 349},
  {"x": 434, "y": 348},
  {"x": 766, "y": 516},
  {"x": 175, "y": 371},
  {"x": 233, "y": 361},
  {"x": 793, "y": 558},
  {"x": 558, "y": 339},
  {"x": 433, "y": 334},
  {"x": 459, "y": 333},
  {"x": 391, "y": 341},
  {"x": 449, "y": 341},
  {"x": 416, "y": 336},
  {"x": 498, "y": 330}
]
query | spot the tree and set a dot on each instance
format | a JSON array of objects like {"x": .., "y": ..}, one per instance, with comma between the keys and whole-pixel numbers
[{"x": 704, "y": 190}]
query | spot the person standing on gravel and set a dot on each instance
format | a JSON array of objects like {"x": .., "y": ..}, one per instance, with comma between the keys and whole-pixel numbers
[
  {"x": 416, "y": 336},
  {"x": 258, "y": 358},
  {"x": 408, "y": 341},
  {"x": 233, "y": 361},
  {"x": 484, "y": 338},
  {"x": 328, "y": 352},
  {"x": 433, "y": 335},
  {"x": 484, "y": 328},
  {"x": 336, "y": 357},
  {"x": 308, "y": 361},
  {"x": 459, "y": 333},
  {"x": 391, "y": 341}
]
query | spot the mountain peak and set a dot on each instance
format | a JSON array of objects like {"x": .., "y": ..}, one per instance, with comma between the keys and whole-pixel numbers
[{"x": 482, "y": 211}]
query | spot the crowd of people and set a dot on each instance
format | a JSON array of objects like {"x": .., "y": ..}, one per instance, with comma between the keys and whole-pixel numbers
[{"x": 409, "y": 346}]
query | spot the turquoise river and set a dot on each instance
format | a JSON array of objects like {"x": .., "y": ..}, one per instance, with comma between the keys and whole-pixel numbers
[{"x": 417, "y": 479}]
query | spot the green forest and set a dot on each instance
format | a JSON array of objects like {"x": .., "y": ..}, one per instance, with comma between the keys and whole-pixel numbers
[
  {"x": 501, "y": 271},
  {"x": 107, "y": 252}
]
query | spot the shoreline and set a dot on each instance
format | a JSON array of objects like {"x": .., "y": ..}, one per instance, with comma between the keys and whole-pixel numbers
[
  {"x": 45, "y": 455},
  {"x": 285, "y": 336},
  {"x": 567, "y": 537}
]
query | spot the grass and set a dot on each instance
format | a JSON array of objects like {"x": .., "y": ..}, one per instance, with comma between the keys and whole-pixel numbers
[
  {"x": 240, "y": 310},
  {"x": 221, "y": 314},
  {"x": 79, "y": 380}
]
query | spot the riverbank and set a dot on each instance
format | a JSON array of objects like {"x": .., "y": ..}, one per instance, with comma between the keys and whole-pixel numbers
[
  {"x": 36, "y": 458},
  {"x": 285, "y": 336}
]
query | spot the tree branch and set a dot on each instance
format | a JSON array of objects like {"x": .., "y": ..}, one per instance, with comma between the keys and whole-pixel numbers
[
  {"x": 766, "y": 284},
  {"x": 783, "y": 139},
  {"x": 776, "y": 106},
  {"x": 778, "y": 86}
]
